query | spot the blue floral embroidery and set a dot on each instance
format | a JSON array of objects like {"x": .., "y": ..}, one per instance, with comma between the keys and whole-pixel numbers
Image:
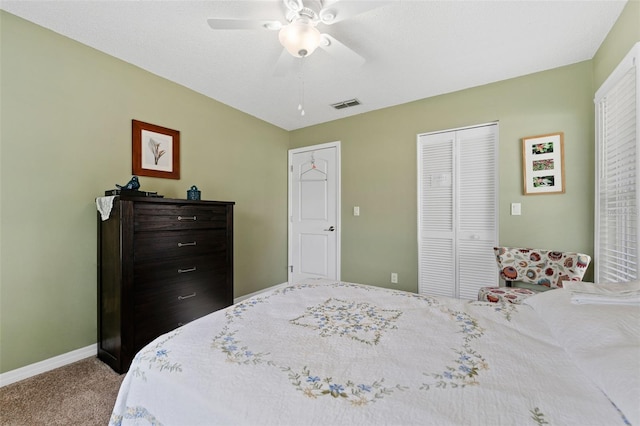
[
  {"x": 356, "y": 394},
  {"x": 134, "y": 413},
  {"x": 236, "y": 353},
  {"x": 360, "y": 321},
  {"x": 157, "y": 357},
  {"x": 337, "y": 284},
  {"x": 364, "y": 388},
  {"x": 503, "y": 308},
  {"x": 336, "y": 390},
  {"x": 237, "y": 310},
  {"x": 469, "y": 362},
  {"x": 429, "y": 300},
  {"x": 366, "y": 323}
]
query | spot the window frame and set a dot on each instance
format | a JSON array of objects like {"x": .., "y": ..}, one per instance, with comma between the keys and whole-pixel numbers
[{"x": 617, "y": 180}]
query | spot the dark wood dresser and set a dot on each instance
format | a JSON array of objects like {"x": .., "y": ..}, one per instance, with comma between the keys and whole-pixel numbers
[{"x": 161, "y": 263}]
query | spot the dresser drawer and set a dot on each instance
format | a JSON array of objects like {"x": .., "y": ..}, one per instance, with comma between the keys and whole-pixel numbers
[
  {"x": 169, "y": 244},
  {"x": 205, "y": 270},
  {"x": 187, "y": 297},
  {"x": 159, "y": 312},
  {"x": 175, "y": 217}
]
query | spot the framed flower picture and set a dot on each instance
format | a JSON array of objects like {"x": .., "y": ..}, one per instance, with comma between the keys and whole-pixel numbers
[
  {"x": 156, "y": 151},
  {"x": 543, "y": 164}
]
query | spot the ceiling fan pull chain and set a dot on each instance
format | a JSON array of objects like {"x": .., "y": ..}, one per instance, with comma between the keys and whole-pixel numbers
[{"x": 301, "y": 104}]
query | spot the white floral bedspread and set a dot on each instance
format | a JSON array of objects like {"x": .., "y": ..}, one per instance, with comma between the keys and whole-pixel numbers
[{"x": 332, "y": 353}]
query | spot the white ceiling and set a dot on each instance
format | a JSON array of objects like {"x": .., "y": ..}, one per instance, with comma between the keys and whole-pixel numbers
[{"x": 414, "y": 48}]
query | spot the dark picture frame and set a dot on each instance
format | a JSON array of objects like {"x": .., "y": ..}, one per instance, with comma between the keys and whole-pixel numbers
[{"x": 155, "y": 150}]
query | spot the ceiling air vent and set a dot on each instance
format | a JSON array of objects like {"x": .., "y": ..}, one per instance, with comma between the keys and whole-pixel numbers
[{"x": 346, "y": 104}]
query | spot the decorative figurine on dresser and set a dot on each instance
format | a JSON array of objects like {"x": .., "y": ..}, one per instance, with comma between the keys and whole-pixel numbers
[{"x": 161, "y": 263}]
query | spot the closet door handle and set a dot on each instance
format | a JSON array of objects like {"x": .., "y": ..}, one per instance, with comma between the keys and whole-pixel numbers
[
  {"x": 188, "y": 296},
  {"x": 186, "y": 218},
  {"x": 193, "y": 243},
  {"x": 331, "y": 228},
  {"x": 182, "y": 271}
]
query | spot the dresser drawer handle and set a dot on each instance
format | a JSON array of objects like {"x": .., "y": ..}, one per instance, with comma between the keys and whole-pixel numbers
[
  {"x": 182, "y": 271},
  {"x": 188, "y": 296},
  {"x": 186, "y": 218},
  {"x": 193, "y": 243}
]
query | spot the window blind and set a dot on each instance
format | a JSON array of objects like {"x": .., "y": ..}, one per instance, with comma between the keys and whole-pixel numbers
[{"x": 617, "y": 174}]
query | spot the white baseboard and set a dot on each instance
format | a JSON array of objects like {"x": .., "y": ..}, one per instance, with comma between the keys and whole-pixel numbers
[
  {"x": 255, "y": 293},
  {"x": 47, "y": 365}
]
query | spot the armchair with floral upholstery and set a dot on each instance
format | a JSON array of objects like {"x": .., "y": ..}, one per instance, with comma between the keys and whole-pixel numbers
[{"x": 544, "y": 268}]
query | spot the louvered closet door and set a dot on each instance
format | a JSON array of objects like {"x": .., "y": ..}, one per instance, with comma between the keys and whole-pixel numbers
[
  {"x": 457, "y": 203},
  {"x": 436, "y": 216},
  {"x": 477, "y": 209}
]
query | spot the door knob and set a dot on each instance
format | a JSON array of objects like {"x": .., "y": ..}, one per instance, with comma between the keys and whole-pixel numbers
[{"x": 331, "y": 228}]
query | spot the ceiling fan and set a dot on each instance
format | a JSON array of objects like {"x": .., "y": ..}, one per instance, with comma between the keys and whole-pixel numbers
[{"x": 299, "y": 34}]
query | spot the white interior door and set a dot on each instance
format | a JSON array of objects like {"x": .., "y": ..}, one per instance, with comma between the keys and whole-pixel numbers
[{"x": 314, "y": 206}]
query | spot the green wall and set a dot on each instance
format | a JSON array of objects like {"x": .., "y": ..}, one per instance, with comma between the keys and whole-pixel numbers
[
  {"x": 379, "y": 165},
  {"x": 66, "y": 114},
  {"x": 65, "y": 117},
  {"x": 624, "y": 34},
  {"x": 379, "y": 169}
]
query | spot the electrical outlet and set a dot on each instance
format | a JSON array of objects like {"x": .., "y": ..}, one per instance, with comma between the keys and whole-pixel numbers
[
  {"x": 356, "y": 211},
  {"x": 394, "y": 278}
]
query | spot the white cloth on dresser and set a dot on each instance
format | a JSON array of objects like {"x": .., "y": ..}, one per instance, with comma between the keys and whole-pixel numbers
[{"x": 104, "y": 205}]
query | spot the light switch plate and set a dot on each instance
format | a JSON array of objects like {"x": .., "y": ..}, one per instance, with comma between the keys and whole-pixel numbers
[{"x": 516, "y": 209}]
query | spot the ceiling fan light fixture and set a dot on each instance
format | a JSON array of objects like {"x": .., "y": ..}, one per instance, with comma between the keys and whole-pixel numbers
[{"x": 300, "y": 38}]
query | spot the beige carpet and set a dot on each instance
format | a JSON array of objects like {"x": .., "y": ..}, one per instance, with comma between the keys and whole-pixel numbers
[{"x": 82, "y": 393}]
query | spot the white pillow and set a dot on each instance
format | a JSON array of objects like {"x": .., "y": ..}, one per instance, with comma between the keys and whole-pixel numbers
[{"x": 603, "y": 340}]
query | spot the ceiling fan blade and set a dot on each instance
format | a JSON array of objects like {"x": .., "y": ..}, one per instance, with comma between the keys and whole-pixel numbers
[
  {"x": 336, "y": 11},
  {"x": 243, "y": 24},
  {"x": 341, "y": 52},
  {"x": 284, "y": 64},
  {"x": 293, "y": 5}
]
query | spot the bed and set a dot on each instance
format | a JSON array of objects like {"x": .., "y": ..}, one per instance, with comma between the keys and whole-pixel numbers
[{"x": 327, "y": 353}]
